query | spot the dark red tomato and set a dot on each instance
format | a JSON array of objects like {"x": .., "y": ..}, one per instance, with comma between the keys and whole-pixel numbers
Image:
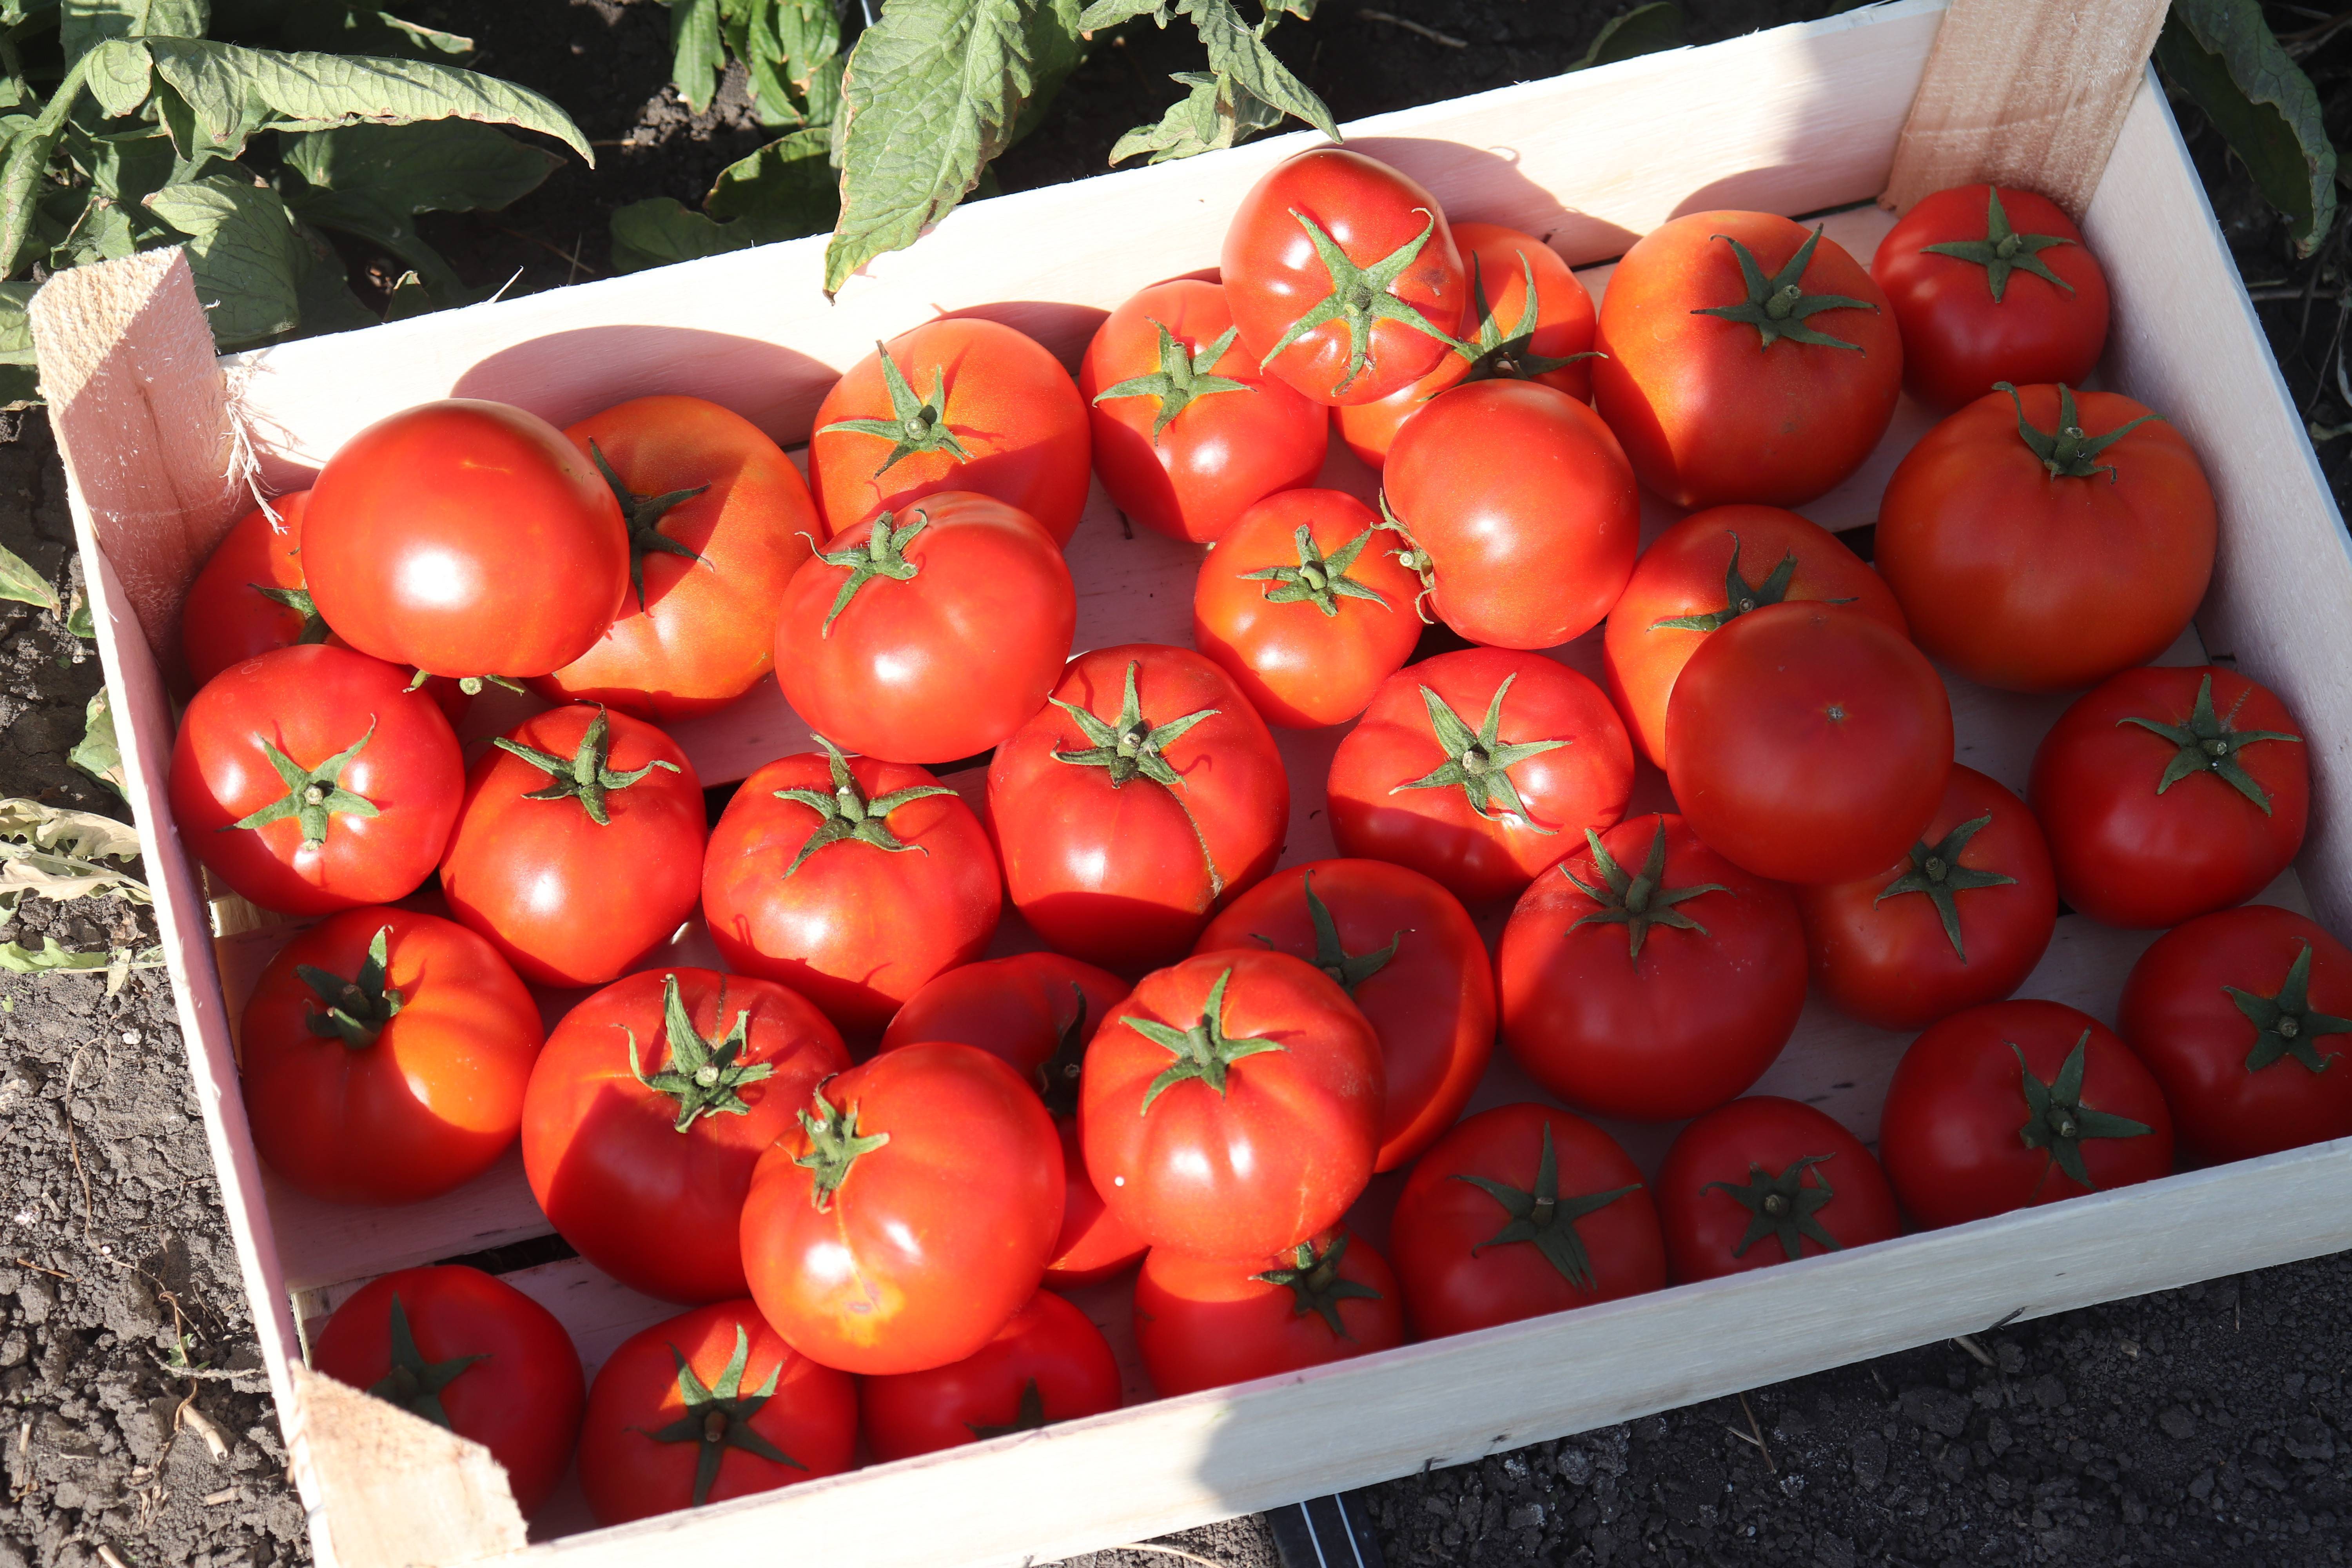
[
  {"x": 1648, "y": 978},
  {"x": 1204, "y": 1322},
  {"x": 1049, "y": 1363},
  {"x": 2019, "y": 1104},
  {"x": 929, "y": 634},
  {"x": 311, "y": 779},
  {"x": 1305, "y": 603},
  {"x": 383, "y": 1055},
  {"x": 1231, "y": 1108},
  {"x": 1517, "y": 1212},
  {"x": 1809, "y": 743},
  {"x": 652, "y": 1102},
  {"x": 1724, "y": 384},
  {"x": 1763, "y": 1181},
  {"x": 1704, "y": 572},
  {"x": 465, "y": 538},
  {"x": 1991, "y": 284},
  {"x": 251, "y": 596},
  {"x": 580, "y": 845},
  {"x": 956, "y": 405},
  {"x": 709, "y": 1405},
  {"x": 852, "y": 880},
  {"x": 1404, "y": 950},
  {"x": 1960, "y": 921},
  {"x": 1478, "y": 769},
  {"x": 1188, "y": 432},
  {"x": 719, "y": 519},
  {"x": 1343, "y": 276},
  {"x": 467, "y": 1351},
  {"x": 911, "y": 1213},
  {"x": 2167, "y": 793},
  {"x": 2242, "y": 1016},
  {"x": 1128, "y": 812},
  {"x": 2040, "y": 539}
]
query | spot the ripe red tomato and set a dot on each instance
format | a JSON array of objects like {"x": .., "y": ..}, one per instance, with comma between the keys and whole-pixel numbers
[
  {"x": 1809, "y": 743},
  {"x": 1048, "y": 1363},
  {"x": 1189, "y": 433},
  {"x": 910, "y": 1215},
  {"x": 1521, "y": 1211},
  {"x": 383, "y": 1055},
  {"x": 955, "y": 404},
  {"x": 1478, "y": 769},
  {"x": 1146, "y": 796},
  {"x": 1744, "y": 359},
  {"x": 1763, "y": 1181},
  {"x": 467, "y": 1351},
  {"x": 652, "y": 1102},
  {"x": 708, "y": 1405},
  {"x": 1343, "y": 276},
  {"x": 1204, "y": 1322},
  {"x": 1961, "y": 919},
  {"x": 1648, "y": 978},
  {"x": 313, "y": 779},
  {"x": 2014, "y": 1104},
  {"x": 1232, "y": 1108},
  {"x": 1405, "y": 950},
  {"x": 2040, "y": 539},
  {"x": 927, "y": 634},
  {"x": 579, "y": 846},
  {"x": 250, "y": 597},
  {"x": 2170, "y": 792},
  {"x": 1305, "y": 605},
  {"x": 465, "y": 538},
  {"x": 1705, "y": 572},
  {"x": 1991, "y": 284}
]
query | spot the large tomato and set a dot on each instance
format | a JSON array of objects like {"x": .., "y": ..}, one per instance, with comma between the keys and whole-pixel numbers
[
  {"x": 1744, "y": 359},
  {"x": 1048, "y": 1363},
  {"x": 1204, "y": 1322},
  {"x": 1763, "y": 1181}
]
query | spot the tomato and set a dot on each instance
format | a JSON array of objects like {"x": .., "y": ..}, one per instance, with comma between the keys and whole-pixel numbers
[
  {"x": 2032, "y": 555},
  {"x": 927, "y": 638},
  {"x": 1744, "y": 359},
  {"x": 852, "y": 880},
  {"x": 1048, "y": 1363},
  {"x": 1305, "y": 608},
  {"x": 2170, "y": 792},
  {"x": 717, "y": 520},
  {"x": 465, "y": 538},
  {"x": 1343, "y": 276},
  {"x": 1478, "y": 769},
  {"x": 313, "y": 779},
  {"x": 910, "y": 1215},
  {"x": 1991, "y": 284},
  {"x": 1960, "y": 921},
  {"x": 1145, "y": 797},
  {"x": 708, "y": 1405},
  {"x": 250, "y": 597},
  {"x": 647, "y": 1110},
  {"x": 1648, "y": 978},
  {"x": 1517, "y": 1212},
  {"x": 1763, "y": 1181},
  {"x": 1809, "y": 743},
  {"x": 1203, "y": 1323},
  {"x": 383, "y": 1055},
  {"x": 1232, "y": 1108},
  {"x": 579, "y": 846},
  {"x": 1704, "y": 572},
  {"x": 469, "y": 1353},
  {"x": 1189, "y": 433},
  {"x": 2235, "y": 1014},
  {"x": 961, "y": 404},
  {"x": 1405, "y": 950}
]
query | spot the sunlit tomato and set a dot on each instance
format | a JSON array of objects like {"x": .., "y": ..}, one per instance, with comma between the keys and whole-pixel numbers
[
  {"x": 251, "y": 596},
  {"x": 1048, "y": 1363},
  {"x": 1763, "y": 1181},
  {"x": 1203, "y": 1323}
]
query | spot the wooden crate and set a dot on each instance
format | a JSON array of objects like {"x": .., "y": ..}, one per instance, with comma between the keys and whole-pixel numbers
[{"x": 160, "y": 440}]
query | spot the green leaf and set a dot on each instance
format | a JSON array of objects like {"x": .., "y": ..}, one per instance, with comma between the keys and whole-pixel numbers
[
  {"x": 2224, "y": 56},
  {"x": 118, "y": 74},
  {"x": 355, "y": 28},
  {"x": 19, "y": 580},
  {"x": 1215, "y": 114},
  {"x": 1644, "y": 30},
  {"x": 1111, "y": 13},
  {"x": 409, "y": 296},
  {"x": 808, "y": 48},
  {"x": 98, "y": 754},
  {"x": 323, "y": 291},
  {"x": 83, "y": 24},
  {"x": 29, "y": 163},
  {"x": 55, "y": 956},
  {"x": 16, "y": 338},
  {"x": 125, "y": 166},
  {"x": 1237, "y": 51},
  {"x": 784, "y": 191},
  {"x": 78, "y": 620},
  {"x": 245, "y": 251},
  {"x": 663, "y": 230},
  {"x": 20, "y": 387},
  {"x": 697, "y": 55}
]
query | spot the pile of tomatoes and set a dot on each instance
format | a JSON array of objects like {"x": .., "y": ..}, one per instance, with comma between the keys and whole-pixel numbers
[{"x": 865, "y": 1157}]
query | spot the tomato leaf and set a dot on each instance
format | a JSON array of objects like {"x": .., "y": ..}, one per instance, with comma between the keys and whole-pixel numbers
[
  {"x": 245, "y": 252},
  {"x": 322, "y": 288},
  {"x": 83, "y": 24},
  {"x": 696, "y": 55},
  {"x": 99, "y": 755},
  {"x": 1644, "y": 30},
  {"x": 50, "y": 852},
  {"x": 28, "y": 161},
  {"x": 15, "y": 330},
  {"x": 1237, "y": 50},
  {"x": 784, "y": 191},
  {"x": 18, "y": 580},
  {"x": 54, "y": 955},
  {"x": 663, "y": 230},
  {"x": 2224, "y": 56},
  {"x": 1216, "y": 112}
]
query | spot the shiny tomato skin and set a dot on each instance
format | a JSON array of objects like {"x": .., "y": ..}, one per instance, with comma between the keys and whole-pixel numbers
[
  {"x": 465, "y": 538},
  {"x": 1224, "y": 451},
  {"x": 1048, "y": 1344},
  {"x": 521, "y": 1400},
  {"x": 1705, "y": 1225},
  {"x": 1205, "y": 1323},
  {"x": 934, "y": 1239},
  {"x": 227, "y": 619},
  {"x": 2128, "y": 856}
]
